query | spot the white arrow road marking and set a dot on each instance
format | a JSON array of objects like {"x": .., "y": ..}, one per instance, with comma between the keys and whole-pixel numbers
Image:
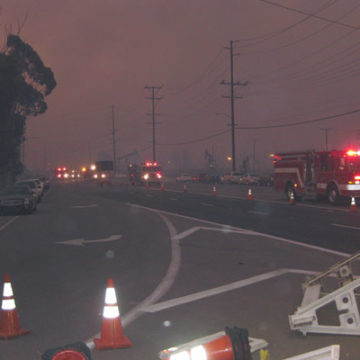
[
  {"x": 83, "y": 242},
  {"x": 85, "y": 206},
  {"x": 347, "y": 226},
  {"x": 222, "y": 289}
]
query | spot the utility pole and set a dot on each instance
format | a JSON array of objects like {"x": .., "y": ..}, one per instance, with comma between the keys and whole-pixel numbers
[
  {"x": 232, "y": 97},
  {"x": 254, "y": 154},
  {"x": 153, "y": 98},
  {"x": 113, "y": 136},
  {"x": 326, "y": 130}
]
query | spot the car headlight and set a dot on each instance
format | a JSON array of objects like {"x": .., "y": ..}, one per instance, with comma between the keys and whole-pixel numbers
[{"x": 146, "y": 176}]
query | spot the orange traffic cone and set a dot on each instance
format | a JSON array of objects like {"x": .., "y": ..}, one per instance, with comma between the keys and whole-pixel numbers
[
  {"x": 234, "y": 344},
  {"x": 250, "y": 196},
  {"x": 292, "y": 198},
  {"x": 185, "y": 188},
  {"x": 214, "y": 191},
  {"x": 353, "y": 204},
  {"x": 9, "y": 321},
  {"x": 112, "y": 336}
]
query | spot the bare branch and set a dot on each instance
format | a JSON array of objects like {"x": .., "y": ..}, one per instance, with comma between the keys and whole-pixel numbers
[{"x": 21, "y": 24}]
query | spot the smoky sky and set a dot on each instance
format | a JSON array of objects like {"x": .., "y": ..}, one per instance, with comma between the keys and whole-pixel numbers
[{"x": 298, "y": 68}]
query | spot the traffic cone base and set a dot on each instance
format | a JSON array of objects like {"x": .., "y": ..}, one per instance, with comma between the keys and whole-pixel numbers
[
  {"x": 112, "y": 343},
  {"x": 250, "y": 196}
]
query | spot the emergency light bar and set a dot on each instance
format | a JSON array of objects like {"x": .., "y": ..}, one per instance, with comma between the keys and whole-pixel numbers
[{"x": 353, "y": 153}]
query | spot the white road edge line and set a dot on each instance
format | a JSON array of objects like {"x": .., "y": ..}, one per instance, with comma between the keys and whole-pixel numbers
[
  {"x": 228, "y": 227},
  {"x": 347, "y": 226},
  {"x": 222, "y": 289},
  {"x": 9, "y": 222}
]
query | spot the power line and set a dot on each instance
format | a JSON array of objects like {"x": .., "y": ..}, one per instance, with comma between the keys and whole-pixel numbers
[
  {"x": 209, "y": 69},
  {"x": 198, "y": 140},
  {"x": 300, "y": 122},
  {"x": 287, "y": 28},
  {"x": 262, "y": 127},
  {"x": 312, "y": 15}
]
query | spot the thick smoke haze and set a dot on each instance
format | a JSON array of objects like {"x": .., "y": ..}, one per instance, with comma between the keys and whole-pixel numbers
[{"x": 298, "y": 68}]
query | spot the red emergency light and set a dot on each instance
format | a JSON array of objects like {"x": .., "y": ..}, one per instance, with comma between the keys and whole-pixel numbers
[{"x": 353, "y": 153}]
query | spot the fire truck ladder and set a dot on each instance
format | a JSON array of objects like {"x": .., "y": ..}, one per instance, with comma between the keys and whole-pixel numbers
[{"x": 316, "y": 297}]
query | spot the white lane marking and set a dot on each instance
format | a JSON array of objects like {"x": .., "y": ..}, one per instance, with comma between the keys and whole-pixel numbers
[
  {"x": 347, "y": 226},
  {"x": 161, "y": 289},
  {"x": 250, "y": 232},
  {"x": 280, "y": 202},
  {"x": 9, "y": 222},
  {"x": 85, "y": 206},
  {"x": 206, "y": 204},
  {"x": 83, "y": 242},
  {"x": 223, "y": 229},
  {"x": 224, "y": 288},
  {"x": 258, "y": 212}
]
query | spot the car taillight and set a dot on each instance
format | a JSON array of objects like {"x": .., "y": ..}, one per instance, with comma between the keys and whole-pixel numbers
[
  {"x": 159, "y": 175},
  {"x": 356, "y": 177}
]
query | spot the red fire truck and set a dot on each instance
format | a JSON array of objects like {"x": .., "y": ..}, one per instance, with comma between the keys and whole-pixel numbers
[
  {"x": 146, "y": 173},
  {"x": 314, "y": 174}
]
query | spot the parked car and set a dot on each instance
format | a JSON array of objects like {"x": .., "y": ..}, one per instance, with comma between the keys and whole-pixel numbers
[
  {"x": 35, "y": 187},
  {"x": 232, "y": 178},
  {"x": 206, "y": 178},
  {"x": 184, "y": 178},
  {"x": 250, "y": 179},
  {"x": 18, "y": 199}
]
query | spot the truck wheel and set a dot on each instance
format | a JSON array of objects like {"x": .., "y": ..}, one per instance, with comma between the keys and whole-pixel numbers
[{"x": 333, "y": 194}]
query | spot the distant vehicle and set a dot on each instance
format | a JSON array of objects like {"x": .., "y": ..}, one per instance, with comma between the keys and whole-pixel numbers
[
  {"x": 232, "y": 178},
  {"x": 184, "y": 178},
  {"x": 146, "y": 173},
  {"x": 34, "y": 185},
  {"x": 206, "y": 178},
  {"x": 333, "y": 174},
  {"x": 104, "y": 171},
  {"x": 18, "y": 199},
  {"x": 250, "y": 179}
]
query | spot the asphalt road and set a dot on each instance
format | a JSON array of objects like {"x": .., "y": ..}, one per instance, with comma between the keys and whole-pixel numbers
[{"x": 177, "y": 260}]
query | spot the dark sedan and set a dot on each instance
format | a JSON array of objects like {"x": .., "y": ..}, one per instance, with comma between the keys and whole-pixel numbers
[{"x": 19, "y": 199}]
